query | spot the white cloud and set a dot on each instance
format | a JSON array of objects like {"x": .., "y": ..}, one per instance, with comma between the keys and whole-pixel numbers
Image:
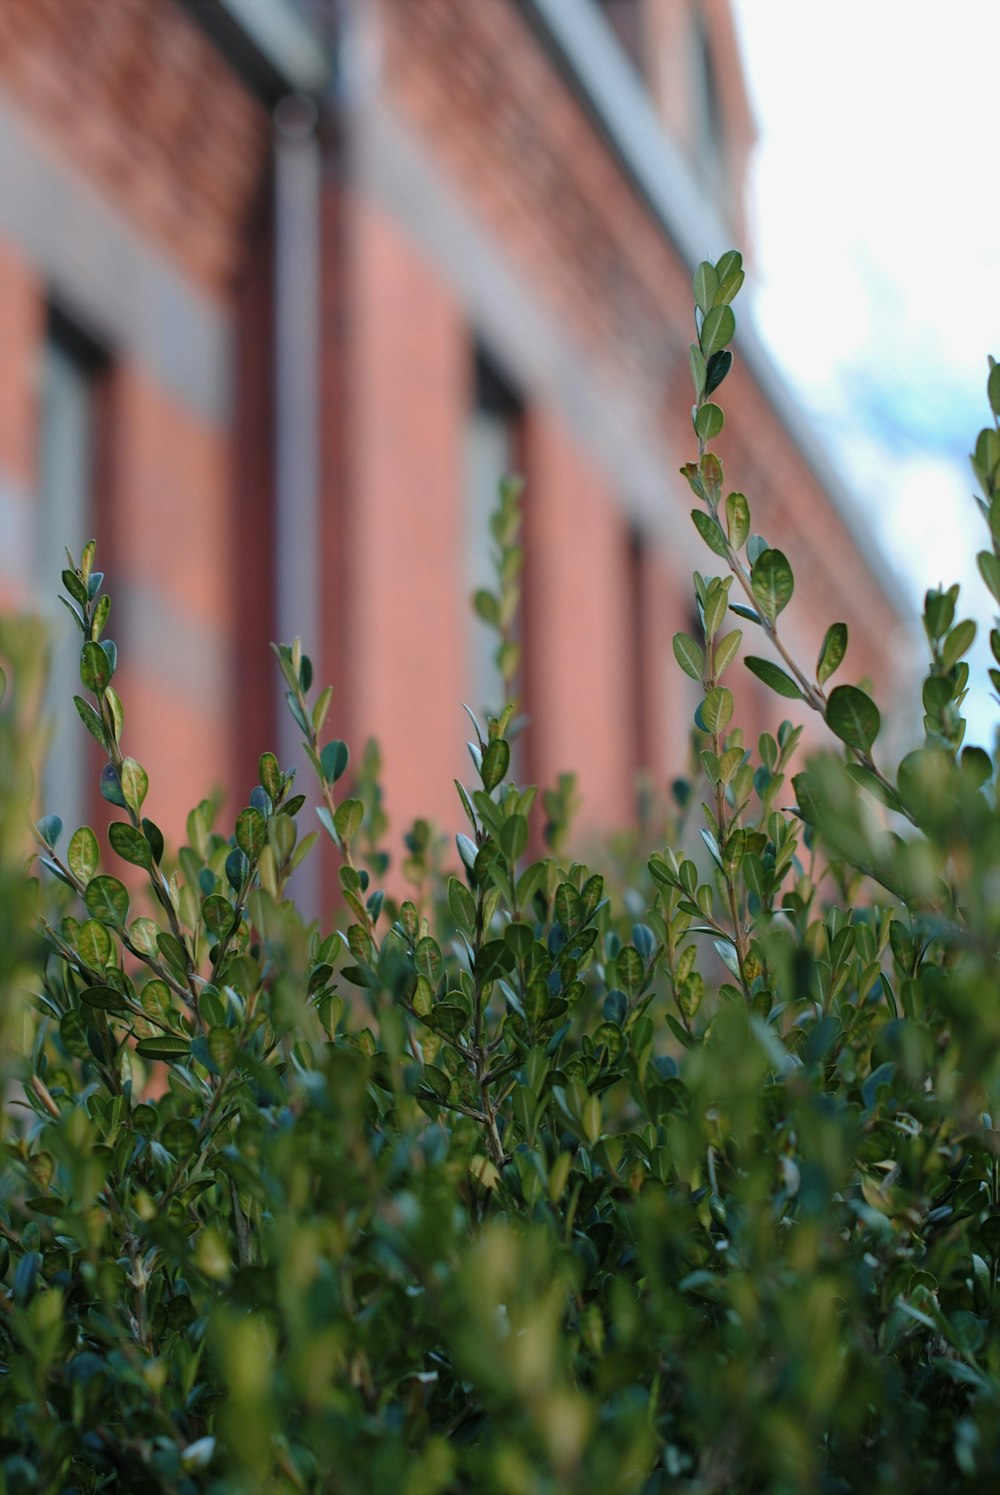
[{"x": 878, "y": 254}]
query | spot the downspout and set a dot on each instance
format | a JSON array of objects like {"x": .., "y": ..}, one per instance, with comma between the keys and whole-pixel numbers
[{"x": 297, "y": 304}]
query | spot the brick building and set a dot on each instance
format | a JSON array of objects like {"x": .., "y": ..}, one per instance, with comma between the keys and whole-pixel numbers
[{"x": 286, "y": 284}]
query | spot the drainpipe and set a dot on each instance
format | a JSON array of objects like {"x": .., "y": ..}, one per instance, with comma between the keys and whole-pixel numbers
[{"x": 297, "y": 291}]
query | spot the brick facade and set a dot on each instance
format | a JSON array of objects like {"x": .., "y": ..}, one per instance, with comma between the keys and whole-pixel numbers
[{"x": 470, "y": 201}]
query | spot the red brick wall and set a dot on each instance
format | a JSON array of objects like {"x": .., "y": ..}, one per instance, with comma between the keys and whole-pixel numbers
[
  {"x": 403, "y": 616},
  {"x": 131, "y": 97},
  {"x": 141, "y": 102},
  {"x": 582, "y": 677}
]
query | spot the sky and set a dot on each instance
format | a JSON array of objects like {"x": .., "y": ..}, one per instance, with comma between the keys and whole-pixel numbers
[{"x": 875, "y": 223}]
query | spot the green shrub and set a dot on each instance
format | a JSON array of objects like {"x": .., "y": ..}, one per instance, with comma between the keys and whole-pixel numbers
[{"x": 667, "y": 1176}]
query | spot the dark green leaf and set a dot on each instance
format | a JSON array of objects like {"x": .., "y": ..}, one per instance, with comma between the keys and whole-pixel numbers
[
  {"x": 774, "y": 676},
  {"x": 154, "y": 836},
  {"x": 106, "y": 998},
  {"x": 166, "y": 1048},
  {"x": 111, "y": 787},
  {"x": 853, "y": 717},
  {"x": 717, "y": 368},
  {"x": 496, "y": 760},
  {"x": 130, "y": 844},
  {"x": 334, "y": 758},
  {"x": 493, "y": 960},
  {"x": 238, "y": 866}
]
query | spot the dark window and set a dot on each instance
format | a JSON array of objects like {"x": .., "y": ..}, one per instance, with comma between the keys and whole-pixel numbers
[
  {"x": 708, "y": 130},
  {"x": 492, "y": 450},
  {"x": 71, "y": 369}
]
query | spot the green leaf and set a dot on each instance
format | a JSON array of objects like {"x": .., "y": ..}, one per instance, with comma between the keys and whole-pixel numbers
[
  {"x": 514, "y": 837},
  {"x": 717, "y": 368},
  {"x": 111, "y": 787},
  {"x": 726, "y": 650},
  {"x": 217, "y": 915},
  {"x": 106, "y": 998},
  {"x": 107, "y": 899},
  {"x": 83, "y": 855},
  {"x": 270, "y": 775},
  {"x": 95, "y": 667},
  {"x": 706, "y": 283},
  {"x": 428, "y": 959},
  {"x": 117, "y": 712},
  {"x": 251, "y": 832},
  {"x": 772, "y": 583},
  {"x": 91, "y": 720},
  {"x": 717, "y": 330},
  {"x": 496, "y": 760},
  {"x": 75, "y": 587},
  {"x": 710, "y": 531},
  {"x": 689, "y": 656},
  {"x": 989, "y": 568},
  {"x": 737, "y": 519},
  {"x": 832, "y": 652},
  {"x": 717, "y": 709},
  {"x": 167, "y": 1048},
  {"x": 238, "y": 864},
  {"x": 698, "y": 369},
  {"x": 348, "y": 819},
  {"x": 487, "y": 606},
  {"x": 958, "y": 642},
  {"x": 492, "y": 960},
  {"x": 50, "y": 828},
  {"x": 135, "y": 784},
  {"x": 729, "y": 286},
  {"x": 709, "y": 421},
  {"x": 630, "y": 969},
  {"x": 94, "y": 944},
  {"x": 711, "y": 476},
  {"x": 449, "y": 1017},
  {"x": 334, "y": 758},
  {"x": 853, "y": 717},
  {"x": 462, "y": 904},
  {"x": 775, "y": 677},
  {"x": 173, "y": 952},
  {"x": 130, "y": 844}
]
